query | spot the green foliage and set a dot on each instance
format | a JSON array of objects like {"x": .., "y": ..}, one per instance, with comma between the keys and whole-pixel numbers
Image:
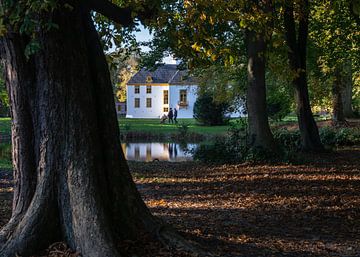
[
  {"x": 289, "y": 140},
  {"x": 5, "y": 156},
  {"x": 183, "y": 129},
  {"x": 340, "y": 137},
  {"x": 4, "y": 97},
  {"x": 123, "y": 64},
  {"x": 127, "y": 127},
  {"x": 209, "y": 112},
  {"x": 329, "y": 136},
  {"x": 279, "y": 102},
  {"x": 334, "y": 46},
  {"x": 234, "y": 148}
]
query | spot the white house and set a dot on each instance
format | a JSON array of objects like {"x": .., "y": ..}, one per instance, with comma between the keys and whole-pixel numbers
[{"x": 150, "y": 94}]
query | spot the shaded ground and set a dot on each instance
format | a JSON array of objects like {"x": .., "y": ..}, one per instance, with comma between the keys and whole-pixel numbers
[
  {"x": 252, "y": 210},
  {"x": 261, "y": 210}
]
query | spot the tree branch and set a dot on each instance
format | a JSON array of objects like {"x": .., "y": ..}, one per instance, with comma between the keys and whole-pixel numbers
[{"x": 112, "y": 11}]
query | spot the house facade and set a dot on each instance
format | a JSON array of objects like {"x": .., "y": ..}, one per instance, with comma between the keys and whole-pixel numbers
[{"x": 150, "y": 94}]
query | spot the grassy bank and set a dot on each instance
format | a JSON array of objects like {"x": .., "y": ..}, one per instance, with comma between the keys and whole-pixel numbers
[
  {"x": 154, "y": 126},
  {"x": 146, "y": 126}
]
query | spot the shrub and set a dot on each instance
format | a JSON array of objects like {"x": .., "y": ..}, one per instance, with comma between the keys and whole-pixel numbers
[
  {"x": 234, "y": 148},
  {"x": 289, "y": 140},
  {"x": 208, "y": 112},
  {"x": 183, "y": 129},
  {"x": 339, "y": 137}
]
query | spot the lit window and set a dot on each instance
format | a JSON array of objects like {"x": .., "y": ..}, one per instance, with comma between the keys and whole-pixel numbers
[
  {"x": 149, "y": 79},
  {"x": 137, "y": 102},
  {"x": 137, "y": 89},
  {"x": 148, "y": 102},
  {"x": 166, "y": 96},
  {"x": 166, "y": 109},
  {"x": 148, "y": 89}
]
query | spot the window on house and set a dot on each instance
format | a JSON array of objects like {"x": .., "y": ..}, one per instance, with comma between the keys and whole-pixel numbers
[
  {"x": 149, "y": 79},
  {"x": 148, "y": 89},
  {"x": 137, "y": 102},
  {"x": 148, "y": 102},
  {"x": 166, "y": 109},
  {"x": 137, "y": 89},
  {"x": 166, "y": 96},
  {"x": 183, "y": 96}
]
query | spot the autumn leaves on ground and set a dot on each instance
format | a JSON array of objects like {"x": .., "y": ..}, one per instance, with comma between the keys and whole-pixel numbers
[{"x": 312, "y": 209}]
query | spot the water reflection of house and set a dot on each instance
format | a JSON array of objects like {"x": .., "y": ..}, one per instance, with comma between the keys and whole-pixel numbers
[{"x": 155, "y": 151}]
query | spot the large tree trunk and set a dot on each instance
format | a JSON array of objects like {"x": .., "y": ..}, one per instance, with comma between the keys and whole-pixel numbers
[
  {"x": 297, "y": 44},
  {"x": 347, "y": 93},
  {"x": 337, "y": 95},
  {"x": 72, "y": 182},
  {"x": 259, "y": 129}
]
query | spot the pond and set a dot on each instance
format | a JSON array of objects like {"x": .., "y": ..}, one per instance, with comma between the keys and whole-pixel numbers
[{"x": 173, "y": 152}]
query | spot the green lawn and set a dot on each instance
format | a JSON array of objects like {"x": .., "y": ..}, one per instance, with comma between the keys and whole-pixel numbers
[
  {"x": 5, "y": 126},
  {"x": 145, "y": 125},
  {"x": 154, "y": 126}
]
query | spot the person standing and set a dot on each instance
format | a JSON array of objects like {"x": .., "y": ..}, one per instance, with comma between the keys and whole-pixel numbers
[
  {"x": 170, "y": 116},
  {"x": 175, "y": 115}
]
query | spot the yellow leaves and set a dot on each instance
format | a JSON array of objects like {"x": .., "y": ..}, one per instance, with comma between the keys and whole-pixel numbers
[
  {"x": 211, "y": 20},
  {"x": 196, "y": 47},
  {"x": 187, "y": 4},
  {"x": 203, "y": 17}
]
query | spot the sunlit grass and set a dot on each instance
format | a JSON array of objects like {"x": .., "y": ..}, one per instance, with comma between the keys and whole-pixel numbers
[
  {"x": 154, "y": 126},
  {"x": 5, "y": 125}
]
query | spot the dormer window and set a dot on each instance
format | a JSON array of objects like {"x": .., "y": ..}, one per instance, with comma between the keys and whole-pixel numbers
[{"x": 149, "y": 79}]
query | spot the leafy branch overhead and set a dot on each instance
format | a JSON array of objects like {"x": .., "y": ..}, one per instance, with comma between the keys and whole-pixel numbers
[{"x": 115, "y": 20}]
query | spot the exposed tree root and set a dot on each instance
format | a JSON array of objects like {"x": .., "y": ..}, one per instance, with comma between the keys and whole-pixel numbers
[{"x": 171, "y": 238}]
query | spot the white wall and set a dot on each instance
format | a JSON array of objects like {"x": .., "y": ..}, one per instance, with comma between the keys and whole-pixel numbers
[
  {"x": 156, "y": 111},
  {"x": 143, "y": 112},
  {"x": 175, "y": 98}
]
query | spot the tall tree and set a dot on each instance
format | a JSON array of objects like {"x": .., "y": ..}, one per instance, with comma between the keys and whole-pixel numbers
[
  {"x": 335, "y": 34},
  {"x": 224, "y": 34},
  {"x": 296, "y": 40},
  {"x": 256, "y": 46},
  {"x": 72, "y": 182}
]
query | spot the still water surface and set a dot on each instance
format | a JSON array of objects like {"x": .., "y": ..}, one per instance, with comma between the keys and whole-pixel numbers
[{"x": 148, "y": 152}]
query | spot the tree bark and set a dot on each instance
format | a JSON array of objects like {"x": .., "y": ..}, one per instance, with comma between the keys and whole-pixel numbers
[
  {"x": 256, "y": 45},
  {"x": 347, "y": 93},
  {"x": 72, "y": 182},
  {"x": 259, "y": 129},
  {"x": 297, "y": 45},
  {"x": 337, "y": 95}
]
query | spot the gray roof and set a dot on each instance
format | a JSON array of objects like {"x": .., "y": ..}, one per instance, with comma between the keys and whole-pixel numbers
[
  {"x": 183, "y": 77},
  {"x": 167, "y": 73}
]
